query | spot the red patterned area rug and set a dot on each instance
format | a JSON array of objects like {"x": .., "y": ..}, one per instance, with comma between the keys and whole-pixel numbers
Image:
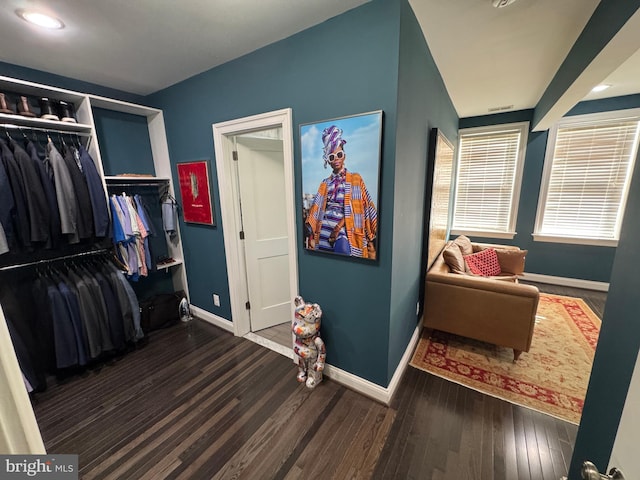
[{"x": 551, "y": 378}]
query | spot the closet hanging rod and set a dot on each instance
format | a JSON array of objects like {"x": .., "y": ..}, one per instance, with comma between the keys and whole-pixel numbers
[
  {"x": 159, "y": 183},
  {"x": 46, "y": 130},
  {"x": 56, "y": 259}
]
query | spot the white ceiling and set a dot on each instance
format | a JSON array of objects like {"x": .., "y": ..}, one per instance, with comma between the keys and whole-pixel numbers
[
  {"x": 499, "y": 57},
  {"x": 141, "y": 46},
  {"x": 489, "y": 58}
]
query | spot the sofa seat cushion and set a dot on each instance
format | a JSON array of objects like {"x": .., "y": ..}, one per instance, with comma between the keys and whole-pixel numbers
[{"x": 484, "y": 263}]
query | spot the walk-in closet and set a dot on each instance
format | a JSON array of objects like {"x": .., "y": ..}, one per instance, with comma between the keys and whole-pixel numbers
[{"x": 84, "y": 238}]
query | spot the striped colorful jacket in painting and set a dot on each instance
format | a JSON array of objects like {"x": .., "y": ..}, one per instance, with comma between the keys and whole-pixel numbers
[{"x": 360, "y": 215}]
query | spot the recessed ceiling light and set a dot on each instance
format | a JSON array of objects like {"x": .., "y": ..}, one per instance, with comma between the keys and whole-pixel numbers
[
  {"x": 40, "y": 19},
  {"x": 600, "y": 88}
]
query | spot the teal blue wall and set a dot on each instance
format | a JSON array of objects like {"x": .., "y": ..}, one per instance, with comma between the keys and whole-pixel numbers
[
  {"x": 125, "y": 147},
  {"x": 346, "y": 65},
  {"x": 423, "y": 103},
  {"x": 38, "y": 76},
  {"x": 563, "y": 260},
  {"x": 618, "y": 346},
  {"x": 124, "y": 142}
]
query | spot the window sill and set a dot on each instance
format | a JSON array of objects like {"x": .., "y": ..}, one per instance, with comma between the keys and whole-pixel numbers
[
  {"x": 484, "y": 234},
  {"x": 596, "y": 242}
]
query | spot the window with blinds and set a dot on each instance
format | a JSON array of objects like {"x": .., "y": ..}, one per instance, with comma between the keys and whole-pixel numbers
[
  {"x": 586, "y": 178},
  {"x": 489, "y": 174}
]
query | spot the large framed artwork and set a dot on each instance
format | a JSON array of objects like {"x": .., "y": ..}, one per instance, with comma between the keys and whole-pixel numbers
[
  {"x": 441, "y": 156},
  {"x": 340, "y": 184},
  {"x": 195, "y": 192}
]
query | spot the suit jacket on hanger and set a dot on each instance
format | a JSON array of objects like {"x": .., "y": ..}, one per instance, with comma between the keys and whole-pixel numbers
[
  {"x": 96, "y": 193},
  {"x": 7, "y": 208},
  {"x": 39, "y": 215},
  {"x": 49, "y": 188},
  {"x": 85, "y": 214},
  {"x": 21, "y": 215},
  {"x": 65, "y": 194}
]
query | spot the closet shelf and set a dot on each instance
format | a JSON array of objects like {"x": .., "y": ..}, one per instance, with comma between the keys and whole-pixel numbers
[
  {"x": 124, "y": 178},
  {"x": 20, "y": 121},
  {"x": 166, "y": 266}
]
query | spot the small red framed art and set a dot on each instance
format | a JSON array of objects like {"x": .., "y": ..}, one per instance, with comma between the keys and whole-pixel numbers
[{"x": 195, "y": 192}]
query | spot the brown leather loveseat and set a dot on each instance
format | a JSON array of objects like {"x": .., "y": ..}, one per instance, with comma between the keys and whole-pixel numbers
[{"x": 496, "y": 310}]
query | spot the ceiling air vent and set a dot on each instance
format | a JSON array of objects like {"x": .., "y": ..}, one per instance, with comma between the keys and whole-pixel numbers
[{"x": 501, "y": 109}]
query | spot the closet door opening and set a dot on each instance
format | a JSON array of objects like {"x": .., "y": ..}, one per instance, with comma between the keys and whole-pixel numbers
[{"x": 254, "y": 160}]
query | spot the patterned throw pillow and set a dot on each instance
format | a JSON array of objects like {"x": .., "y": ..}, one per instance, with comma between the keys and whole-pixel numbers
[{"x": 484, "y": 263}]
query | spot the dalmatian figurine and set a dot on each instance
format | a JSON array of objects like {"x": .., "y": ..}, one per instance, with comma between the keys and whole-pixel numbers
[{"x": 308, "y": 346}]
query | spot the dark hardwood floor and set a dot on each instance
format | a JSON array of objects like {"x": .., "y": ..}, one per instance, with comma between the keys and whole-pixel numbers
[{"x": 199, "y": 403}]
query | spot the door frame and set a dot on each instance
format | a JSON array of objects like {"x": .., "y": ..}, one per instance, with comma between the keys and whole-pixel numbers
[{"x": 230, "y": 209}]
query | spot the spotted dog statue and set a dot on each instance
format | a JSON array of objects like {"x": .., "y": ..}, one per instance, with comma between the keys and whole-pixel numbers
[{"x": 308, "y": 346}]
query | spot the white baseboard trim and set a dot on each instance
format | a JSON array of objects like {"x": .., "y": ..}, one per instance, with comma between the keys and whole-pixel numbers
[
  {"x": 342, "y": 377},
  {"x": 404, "y": 361},
  {"x": 370, "y": 389},
  {"x": 567, "y": 282},
  {"x": 359, "y": 384},
  {"x": 211, "y": 318},
  {"x": 349, "y": 380}
]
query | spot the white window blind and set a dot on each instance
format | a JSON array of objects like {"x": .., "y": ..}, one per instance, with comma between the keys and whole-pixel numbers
[
  {"x": 586, "y": 180},
  {"x": 488, "y": 179}
]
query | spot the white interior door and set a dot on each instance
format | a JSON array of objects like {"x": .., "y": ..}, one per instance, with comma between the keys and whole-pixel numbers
[{"x": 264, "y": 222}]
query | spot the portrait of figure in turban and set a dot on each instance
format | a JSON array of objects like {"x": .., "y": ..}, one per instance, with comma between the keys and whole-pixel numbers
[{"x": 340, "y": 170}]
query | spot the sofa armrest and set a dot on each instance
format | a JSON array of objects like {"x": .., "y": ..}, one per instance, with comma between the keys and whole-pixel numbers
[{"x": 493, "y": 311}]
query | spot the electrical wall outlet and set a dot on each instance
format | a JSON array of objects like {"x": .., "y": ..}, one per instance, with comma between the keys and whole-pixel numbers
[{"x": 216, "y": 300}]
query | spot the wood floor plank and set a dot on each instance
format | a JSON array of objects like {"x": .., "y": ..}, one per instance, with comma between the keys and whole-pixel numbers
[
  {"x": 546, "y": 461},
  {"x": 508, "y": 429},
  {"x": 488, "y": 446},
  {"x": 522, "y": 453},
  {"x": 499, "y": 450},
  {"x": 436, "y": 423},
  {"x": 535, "y": 467}
]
